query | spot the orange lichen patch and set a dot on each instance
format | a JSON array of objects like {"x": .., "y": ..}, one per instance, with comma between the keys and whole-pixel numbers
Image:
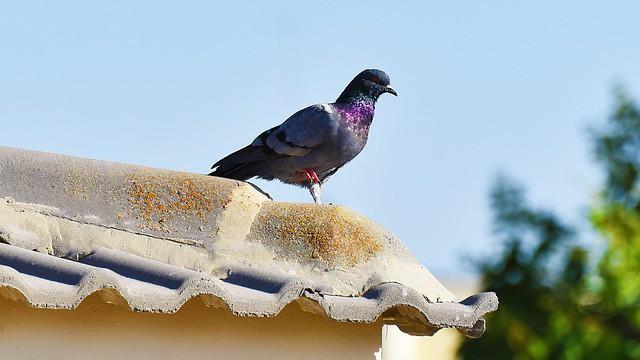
[
  {"x": 161, "y": 199},
  {"x": 80, "y": 184},
  {"x": 332, "y": 234}
]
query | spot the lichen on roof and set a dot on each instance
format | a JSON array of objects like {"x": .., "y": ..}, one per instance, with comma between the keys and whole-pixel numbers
[
  {"x": 158, "y": 200},
  {"x": 80, "y": 183},
  {"x": 161, "y": 237},
  {"x": 331, "y": 234}
]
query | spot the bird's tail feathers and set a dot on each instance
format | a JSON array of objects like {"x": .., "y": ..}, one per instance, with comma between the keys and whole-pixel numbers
[
  {"x": 241, "y": 171},
  {"x": 243, "y": 164}
]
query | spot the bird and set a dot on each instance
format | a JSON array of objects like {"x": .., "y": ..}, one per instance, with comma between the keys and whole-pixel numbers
[{"x": 313, "y": 143}]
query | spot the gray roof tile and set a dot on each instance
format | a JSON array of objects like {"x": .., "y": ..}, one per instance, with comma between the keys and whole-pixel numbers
[{"x": 153, "y": 239}]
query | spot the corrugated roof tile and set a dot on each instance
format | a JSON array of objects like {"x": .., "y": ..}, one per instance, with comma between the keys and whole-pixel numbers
[{"x": 153, "y": 239}]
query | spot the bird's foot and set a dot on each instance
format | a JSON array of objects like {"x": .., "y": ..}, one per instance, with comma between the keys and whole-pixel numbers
[
  {"x": 311, "y": 176},
  {"x": 314, "y": 184}
]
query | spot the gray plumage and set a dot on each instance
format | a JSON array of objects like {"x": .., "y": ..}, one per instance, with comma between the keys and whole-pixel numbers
[{"x": 313, "y": 143}]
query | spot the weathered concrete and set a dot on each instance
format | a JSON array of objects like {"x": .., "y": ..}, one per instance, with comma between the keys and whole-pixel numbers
[{"x": 115, "y": 216}]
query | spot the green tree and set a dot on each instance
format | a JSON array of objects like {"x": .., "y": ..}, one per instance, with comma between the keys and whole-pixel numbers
[{"x": 558, "y": 300}]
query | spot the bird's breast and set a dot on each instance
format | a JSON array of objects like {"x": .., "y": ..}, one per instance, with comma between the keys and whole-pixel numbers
[{"x": 351, "y": 139}]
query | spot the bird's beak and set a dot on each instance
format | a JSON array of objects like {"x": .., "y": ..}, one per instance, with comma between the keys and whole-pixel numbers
[{"x": 390, "y": 90}]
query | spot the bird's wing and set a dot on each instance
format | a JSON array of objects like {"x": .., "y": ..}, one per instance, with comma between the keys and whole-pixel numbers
[
  {"x": 297, "y": 136},
  {"x": 301, "y": 132}
]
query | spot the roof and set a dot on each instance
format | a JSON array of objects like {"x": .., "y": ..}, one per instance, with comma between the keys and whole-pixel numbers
[{"x": 152, "y": 239}]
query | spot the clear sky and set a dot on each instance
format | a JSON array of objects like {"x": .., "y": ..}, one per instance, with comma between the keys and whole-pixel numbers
[{"x": 484, "y": 87}]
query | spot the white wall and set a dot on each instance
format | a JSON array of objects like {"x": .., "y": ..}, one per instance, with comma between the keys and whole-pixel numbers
[{"x": 96, "y": 330}]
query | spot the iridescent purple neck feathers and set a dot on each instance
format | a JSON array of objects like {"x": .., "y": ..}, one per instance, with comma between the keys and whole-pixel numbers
[{"x": 357, "y": 112}]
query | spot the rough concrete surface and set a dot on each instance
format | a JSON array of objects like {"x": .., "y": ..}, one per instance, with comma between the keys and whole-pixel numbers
[{"x": 152, "y": 239}]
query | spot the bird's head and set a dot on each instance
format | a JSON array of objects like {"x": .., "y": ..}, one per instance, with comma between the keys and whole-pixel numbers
[{"x": 369, "y": 83}]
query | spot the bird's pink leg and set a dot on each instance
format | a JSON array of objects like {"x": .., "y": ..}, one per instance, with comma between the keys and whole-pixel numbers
[{"x": 314, "y": 184}]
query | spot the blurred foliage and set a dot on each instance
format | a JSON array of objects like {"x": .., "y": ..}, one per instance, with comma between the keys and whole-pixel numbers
[{"x": 559, "y": 300}]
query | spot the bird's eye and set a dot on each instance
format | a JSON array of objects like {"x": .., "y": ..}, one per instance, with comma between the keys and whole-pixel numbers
[{"x": 375, "y": 79}]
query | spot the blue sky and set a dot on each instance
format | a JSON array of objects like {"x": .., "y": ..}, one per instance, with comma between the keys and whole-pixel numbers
[{"x": 484, "y": 87}]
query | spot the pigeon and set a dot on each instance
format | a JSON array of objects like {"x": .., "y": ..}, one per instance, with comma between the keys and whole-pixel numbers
[{"x": 315, "y": 142}]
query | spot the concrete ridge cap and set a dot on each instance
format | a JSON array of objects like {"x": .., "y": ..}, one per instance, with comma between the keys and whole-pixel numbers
[{"x": 214, "y": 229}]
